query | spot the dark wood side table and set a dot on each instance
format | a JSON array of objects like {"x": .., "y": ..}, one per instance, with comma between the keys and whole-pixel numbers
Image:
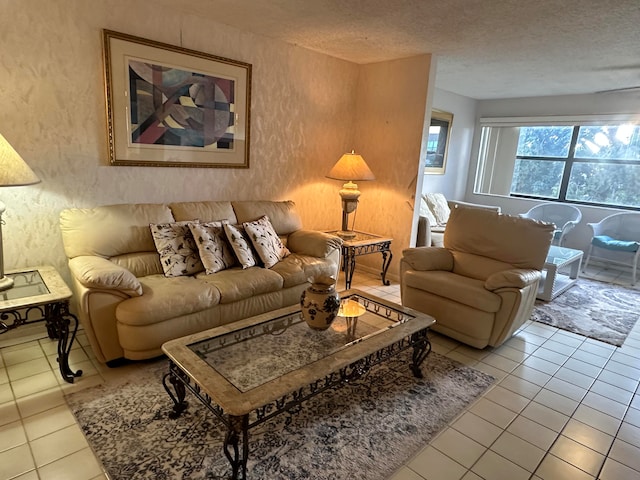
[
  {"x": 364, "y": 244},
  {"x": 39, "y": 294}
]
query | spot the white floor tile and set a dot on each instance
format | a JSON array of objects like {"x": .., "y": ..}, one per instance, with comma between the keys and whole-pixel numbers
[
  {"x": 518, "y": 451},
  {"x": 56, "y": 445},
  {"x": 459, "y": 447},
  {"x": 478, "y": 429},
  {"x": 557, "y": 402},
  {"x": 601, "y": 421},
  {"x": 493, "y": 466},
  {"x": 81, "y": 465},
  {"x": 553, "y": 468},
  {"x": 578, "y": 455},
  {"x": 16, "y": 461},
  {"x": 545, "y": 416},
  {"x": 613, "y": 470},
  {"x": 508, "y": 399},
  {"x": 626, "y": 454},
  {"x": 435, "y": 465},
  {"x": 588, "y": 436},
  {"x": 534, "y": 433}
]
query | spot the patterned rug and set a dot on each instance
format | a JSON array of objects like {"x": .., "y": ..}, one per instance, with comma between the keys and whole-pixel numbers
[
  {"x": 365, "y": 430},
  {"x": 593, "y": 309}
]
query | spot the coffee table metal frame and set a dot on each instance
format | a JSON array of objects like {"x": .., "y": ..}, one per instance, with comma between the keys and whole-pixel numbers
[
  {"x": 553, "y": 282},
  {"x": 241, "y": 411}
]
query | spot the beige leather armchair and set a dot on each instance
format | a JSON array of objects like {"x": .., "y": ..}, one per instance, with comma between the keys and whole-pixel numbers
[
  {"x": 481, "y": 286},
  {"x": 434, "y": 213}
]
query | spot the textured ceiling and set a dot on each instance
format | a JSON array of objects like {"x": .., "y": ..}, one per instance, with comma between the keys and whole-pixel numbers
[{"x": 485, "y": 49}]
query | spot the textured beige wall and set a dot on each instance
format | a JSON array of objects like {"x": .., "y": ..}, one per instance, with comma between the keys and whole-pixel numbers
[
  {"x": 52, "y": 111},
  {"x": 392, "y": 98}
]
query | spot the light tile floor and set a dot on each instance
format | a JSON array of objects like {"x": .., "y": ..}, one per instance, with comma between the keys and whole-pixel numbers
[{"x": 562, "y": 407}]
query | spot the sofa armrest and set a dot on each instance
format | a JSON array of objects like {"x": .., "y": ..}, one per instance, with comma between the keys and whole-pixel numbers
[
  {"x": 423, "y": 238},
  {"x": 428, "y": 258},
  {"x": 515, "y": 278},
  {"x": 100, "y": 273},
  {"x": 313, "y": 243}
]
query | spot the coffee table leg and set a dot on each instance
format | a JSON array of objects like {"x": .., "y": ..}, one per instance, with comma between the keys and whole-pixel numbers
[
  {"x": 421, "y": 349},
  {"x": 237, "y": 425},
  {"x": 179, "y": 405}
]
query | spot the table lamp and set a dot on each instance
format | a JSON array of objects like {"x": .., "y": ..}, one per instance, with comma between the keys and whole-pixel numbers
[
  {"x": 14, "y": 172},
  {"x": 350, "y": 168}
]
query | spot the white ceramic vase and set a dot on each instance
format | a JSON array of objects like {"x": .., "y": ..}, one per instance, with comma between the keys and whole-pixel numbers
[{"x": 320, "y": 303}]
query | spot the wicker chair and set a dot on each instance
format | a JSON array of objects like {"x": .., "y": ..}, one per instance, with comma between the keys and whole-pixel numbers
[
  {"x": 564, "y": 217},
  {"x": 620, "y": 234}
]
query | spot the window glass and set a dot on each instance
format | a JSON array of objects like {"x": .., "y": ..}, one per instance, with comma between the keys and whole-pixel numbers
[
  {"x": 590, "y": 164},
  {"x": 540, "y": 178},
  {"x": 605, "y": 183},
  {"x": 551, "y": 141},
  {"x": 609, "y": 142}
]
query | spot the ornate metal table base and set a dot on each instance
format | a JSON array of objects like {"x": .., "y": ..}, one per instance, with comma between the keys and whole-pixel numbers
[
  {"x": 58, "y": 320},
  {"x": 350, "y": 252},
  {"x": 236, "y": 442}
]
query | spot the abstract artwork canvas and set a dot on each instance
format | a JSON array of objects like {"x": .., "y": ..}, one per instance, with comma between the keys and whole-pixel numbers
[{"x": 169, "y": 106}]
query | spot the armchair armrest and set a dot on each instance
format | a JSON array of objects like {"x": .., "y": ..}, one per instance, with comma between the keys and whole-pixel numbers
[
  {"x": 100, "y": 273},
  {"x": 428, "y": 258},
  {"x": 515, "y": 278},
  {"x": 314, "y": 243}
]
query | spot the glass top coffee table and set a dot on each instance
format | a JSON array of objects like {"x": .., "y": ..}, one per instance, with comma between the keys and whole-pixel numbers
[
  {"x": 251, "y": 370},
  {"x": 553, "y": 282}
]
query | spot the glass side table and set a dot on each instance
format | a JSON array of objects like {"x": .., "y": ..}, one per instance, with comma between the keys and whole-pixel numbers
[
  {"x": 364, "y": 244},
  {"x": 39, "y": 294}
]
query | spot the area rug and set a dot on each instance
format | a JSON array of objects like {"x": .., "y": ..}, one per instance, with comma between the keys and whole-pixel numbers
[
  {"x": 365, "y": 430},
  {"x": 598, "y": 310}
]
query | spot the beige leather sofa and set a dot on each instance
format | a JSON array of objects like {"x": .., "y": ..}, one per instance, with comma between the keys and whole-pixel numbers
[
  {"x": 481, "y": 286},
  {"x": 129, "y": 308},
  {"x": 434, "y": 213}
]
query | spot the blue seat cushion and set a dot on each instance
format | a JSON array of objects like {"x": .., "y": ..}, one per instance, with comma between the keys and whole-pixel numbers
[{"x": 604, "y": 241}]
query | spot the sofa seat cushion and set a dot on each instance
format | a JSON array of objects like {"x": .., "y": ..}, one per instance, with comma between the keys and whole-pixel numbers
[
  {"x": 164, "y": 298},
  {"x": 464, "y": 290},
  {"x": 297, "y": 269},
  {"x": 236, "y": 283}
]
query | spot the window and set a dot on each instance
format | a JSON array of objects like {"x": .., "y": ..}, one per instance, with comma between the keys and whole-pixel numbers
[{"x": 591, "y": 163}]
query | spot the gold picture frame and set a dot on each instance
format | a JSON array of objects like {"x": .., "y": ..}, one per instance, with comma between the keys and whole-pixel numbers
[
  {"x": 169, "y": 106},
  {"x": 438, "y": 142}
]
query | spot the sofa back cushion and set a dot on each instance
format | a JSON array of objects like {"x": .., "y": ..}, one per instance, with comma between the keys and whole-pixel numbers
[
  {"x": 203, "y": 211},
  {"x": 111, "y": 230},
  {"x": 283, "y": 215},
  {"x": 520, "y": 242}
]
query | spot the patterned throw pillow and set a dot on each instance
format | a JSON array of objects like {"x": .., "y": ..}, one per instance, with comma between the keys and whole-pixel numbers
[
  {"x": 215, "y": 251},
  {"x": 438, "y": 205},
  {"x": 266, "y": 241},
  {"x": 241, "y": 245},
  {"x": 177, "y": 249}
]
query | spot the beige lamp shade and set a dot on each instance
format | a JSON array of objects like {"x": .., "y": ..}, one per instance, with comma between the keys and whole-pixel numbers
[
  {"x": 13, "y": 169},
  {"x": 351, "y": 167}
]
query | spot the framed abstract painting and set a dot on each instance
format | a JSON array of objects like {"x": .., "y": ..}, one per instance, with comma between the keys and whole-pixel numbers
[{"x": 168, "y": 106}]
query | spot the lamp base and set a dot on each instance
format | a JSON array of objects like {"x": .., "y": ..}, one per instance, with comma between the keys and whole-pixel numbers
[
  {"x": 346, "y": 235},
  {"x": 6, "y": 283}
]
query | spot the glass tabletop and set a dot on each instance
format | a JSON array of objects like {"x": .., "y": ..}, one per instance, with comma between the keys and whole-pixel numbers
[
  {"x": 253, "y": 356},
  {"x": 25, "y": 284},
  {"x": 560, "y": 255}
]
